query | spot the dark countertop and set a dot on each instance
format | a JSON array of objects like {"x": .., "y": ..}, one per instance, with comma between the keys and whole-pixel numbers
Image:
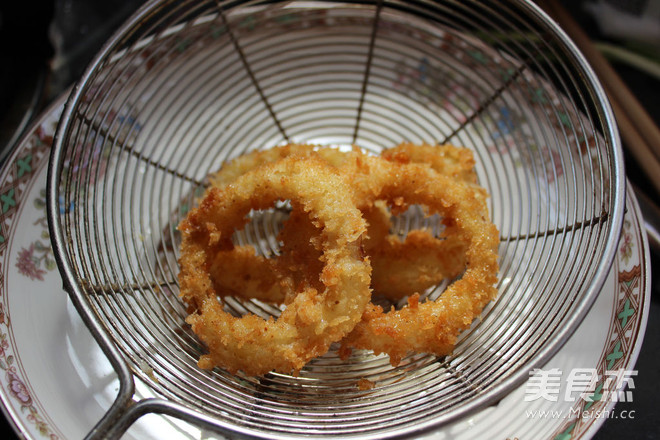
[{"x": 30, "y": 78}]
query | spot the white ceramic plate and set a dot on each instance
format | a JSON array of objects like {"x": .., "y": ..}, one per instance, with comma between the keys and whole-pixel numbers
[{"x": 56, "y": 383}]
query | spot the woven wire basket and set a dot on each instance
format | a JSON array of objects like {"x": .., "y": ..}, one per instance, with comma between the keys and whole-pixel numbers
[{"x": 184, "y": 86}]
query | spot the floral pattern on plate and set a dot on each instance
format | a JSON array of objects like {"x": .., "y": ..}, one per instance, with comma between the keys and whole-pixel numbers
[{"x": 26, "y": 163}]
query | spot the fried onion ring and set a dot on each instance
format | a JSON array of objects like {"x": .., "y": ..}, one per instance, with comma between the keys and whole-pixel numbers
[
  {"x": 313, "y": 319},
  {"x": 432, "y": 326}
]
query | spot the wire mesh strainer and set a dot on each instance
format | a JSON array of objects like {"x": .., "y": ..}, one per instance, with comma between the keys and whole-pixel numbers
[{"x": 184, "y": 86}]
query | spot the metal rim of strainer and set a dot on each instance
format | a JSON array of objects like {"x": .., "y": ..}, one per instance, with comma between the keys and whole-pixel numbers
[{"x": 125, "y": 411}]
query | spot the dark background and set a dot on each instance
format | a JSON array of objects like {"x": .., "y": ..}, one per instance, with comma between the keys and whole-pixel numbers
[{"x": 45, "y": 45}]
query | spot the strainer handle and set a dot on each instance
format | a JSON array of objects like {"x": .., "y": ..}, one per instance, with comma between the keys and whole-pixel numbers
[
  {"x": 119, "y": 419},
  {"x": 121, "y": 407}
]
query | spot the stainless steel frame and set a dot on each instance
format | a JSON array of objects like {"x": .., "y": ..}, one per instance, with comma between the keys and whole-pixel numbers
[{"x": 183, "y": 86}]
